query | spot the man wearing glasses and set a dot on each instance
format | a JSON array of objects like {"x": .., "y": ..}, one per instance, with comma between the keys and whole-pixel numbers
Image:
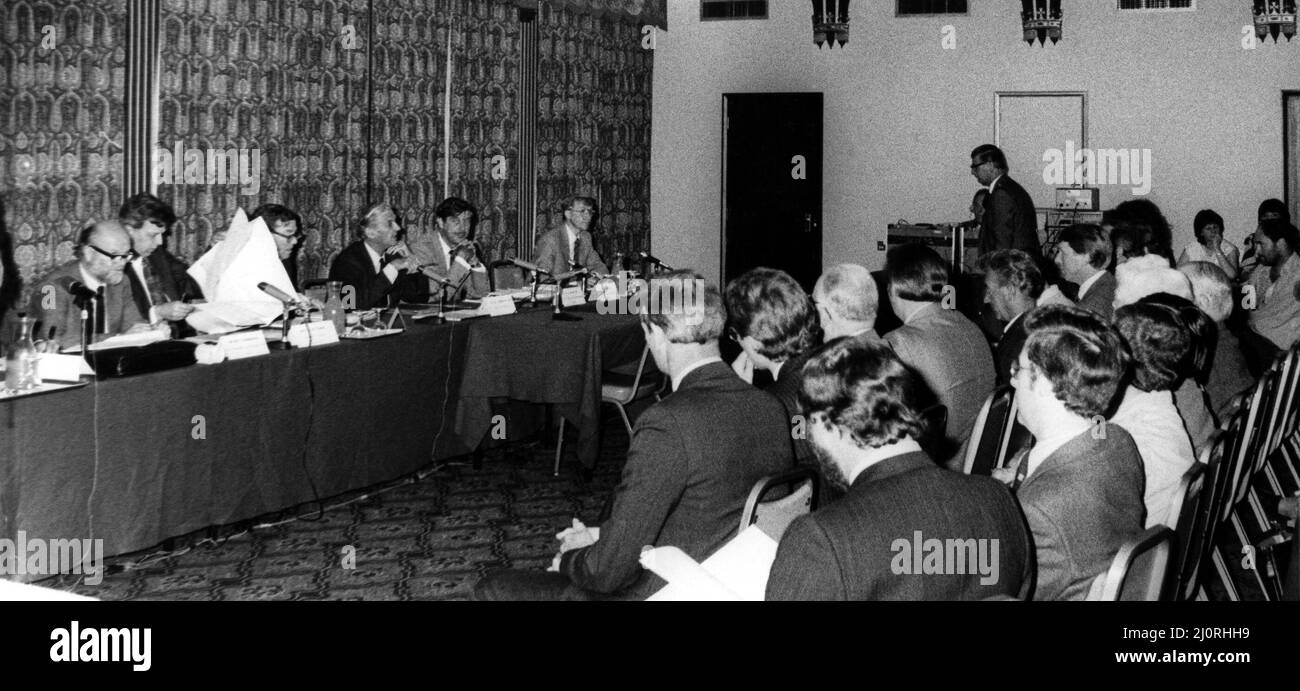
[
  {"x": 157, "y": 279},
  {"x": 1010, "y": 221},
  {"x": 286, "y": 230},
  {"x": 103, "y": 251},
  {"x": 569, "y": 246}
]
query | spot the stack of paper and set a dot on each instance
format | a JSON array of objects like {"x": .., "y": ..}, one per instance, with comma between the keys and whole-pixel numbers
[
  {"x": 229, "y": 274},
  {"x": 737, "y": 571}
]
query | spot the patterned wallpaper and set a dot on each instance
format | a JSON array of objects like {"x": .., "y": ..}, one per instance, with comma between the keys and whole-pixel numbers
[
  {"x": 285, "y": 86},
  {"x": 61, "y": 74}
]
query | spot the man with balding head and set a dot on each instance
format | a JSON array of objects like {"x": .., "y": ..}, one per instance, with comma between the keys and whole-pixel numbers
[
  {"x": 103, "y": 250},
  {"x": 379, "y": 268},
  {"x": 847, "y": 302}
]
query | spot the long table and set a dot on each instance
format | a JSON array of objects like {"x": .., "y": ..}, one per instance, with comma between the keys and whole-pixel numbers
[{"x": 138, "y": 460}]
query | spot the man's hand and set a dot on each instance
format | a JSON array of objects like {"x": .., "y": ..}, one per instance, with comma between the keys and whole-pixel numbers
[
  {"x": 140, "y": 327},
  {"x": 577, "y": 537},
  {"x": 466, "y": 251},
  {"x": 173, "y": 311},
  {"x": 1006, "y": 476},
  {"x": 744, "y": 367}
]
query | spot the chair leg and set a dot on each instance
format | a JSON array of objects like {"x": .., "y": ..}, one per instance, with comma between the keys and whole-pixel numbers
[
  {"x": 559, "y": 448},
  {"x": 623, "y": 413}
]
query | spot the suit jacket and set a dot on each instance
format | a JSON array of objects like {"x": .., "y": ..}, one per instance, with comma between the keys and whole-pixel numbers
[
  {"x": 1100, "y": 297},
  {"x": 372, "y": 288},
  {"x": 786, "y": 390},
  {"x": 63, "y": 314},
  {"x": 947, "y": 351},
  {"x": 1229, "y": 374},
  {"x": 1010, "y": 221},
  {"x": 1007, "y": 351},
  {"x": 861, "y": 547},
  {"x": 694, "y": 457},
  {"x": 552, "y": 252},
  {"x": 169, "y": 274},
  {"x": 1082, "y": 502},
  {"x": 428, "y": 249}
]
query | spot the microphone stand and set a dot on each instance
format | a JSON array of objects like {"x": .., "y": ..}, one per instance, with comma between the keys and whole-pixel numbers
[
  {"x": 285, "y": 318},
  {"x": 558, "y": 313}
]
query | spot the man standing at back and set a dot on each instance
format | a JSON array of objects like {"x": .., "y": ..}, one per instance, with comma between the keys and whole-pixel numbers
[
  {"x": 694, "y": 458},
  {"x": 940, "y": 344},
  {"x": 1010, "y": 221}
]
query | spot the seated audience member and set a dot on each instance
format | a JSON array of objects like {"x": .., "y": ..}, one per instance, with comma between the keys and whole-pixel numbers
[
  {"x": 1210, "y": 245},
  {"x": 1228, "y": 374},
  {"x": 865, "y": 422},
  {"x": 939, "y": 344},
  {"x": 379, "y": 267},
  {"x": 450, "y": 252},
  {"x": 1012, "y": 286},
  {"x": 1052, "y": 293},
  {"x": 565, "y": 247},
  {"x": 287, "y": 232},
  {"x": 1082, "y": 257},
  {"x": 847, "y": 300},
  {"x": 1158, "y": 344},
  {"x": 1189, "y": 393},
  {"x": 1276, "y": 287},
  {"x": 694, "y": 457},
  {"x": 1269, "y": 209},
  {"x": 775, "y": 324},
  {"x": 1081, "y": 491},
  {"x": 1148, "y": 275},
  {"x": 1137, "y": 227},
  {"x": 159, "y": 282},
  {"x": 103, "y": 252}
]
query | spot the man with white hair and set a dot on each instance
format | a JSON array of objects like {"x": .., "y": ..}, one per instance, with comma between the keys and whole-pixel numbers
[
  {"x": 847, "y": 301},
  {"x": 1229, "y": 374}
]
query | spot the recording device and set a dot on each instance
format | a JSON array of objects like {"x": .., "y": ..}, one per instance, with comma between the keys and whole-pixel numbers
[{"x": 655, "y": 260}]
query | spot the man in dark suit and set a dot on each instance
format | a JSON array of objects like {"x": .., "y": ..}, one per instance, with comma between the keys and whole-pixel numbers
[
  {"x": 379, "y": 268},
  {"x": 286, "y": 231},
  {"x": 939, "y": 343},
  {"x": 1081, "y": 484},
  {"x": 159, "y": 282},
  {"x": 103, "y": 250},
  {"x": 1010, "y": 221},
  {"x": 450, "y": 251},
  {"x": 1012, "y": 284},
  {"x": 1082, "y": 256},
  {"x": 775, "y": 323},
  {"x": 869, "y": 545},
  {"x": 565, "y": 247},
  {"x": 695, "y": 455}
]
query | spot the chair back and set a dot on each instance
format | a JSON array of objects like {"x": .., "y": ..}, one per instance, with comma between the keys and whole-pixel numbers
[
  {"x": 1139, "y": 569},
  {"x": 935, "y": 441},
  {"x": 1190, "y": 484},
  {"x": 506, "y": 276},
  {"x": 983, "y": 448},
  {"x": 773, "y": 517}
]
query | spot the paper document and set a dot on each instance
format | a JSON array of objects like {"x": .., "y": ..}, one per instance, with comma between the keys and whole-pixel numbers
[
  {"x": 131, "y": 340},
  {"x": 737, "y": 571},
  {"x": 229, "y": 274}
]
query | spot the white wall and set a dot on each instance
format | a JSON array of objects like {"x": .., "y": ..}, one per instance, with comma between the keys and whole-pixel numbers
[{"x": 902, "y": 113}]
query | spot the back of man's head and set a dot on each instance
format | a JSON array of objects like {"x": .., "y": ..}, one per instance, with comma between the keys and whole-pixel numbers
[
  {"x": 916, "y": 272},
  {"x": 849, "y": 290},
  {"x": 771, "y": 307},
  {"x": 1014, "y": 268},
  {"x": 685, "y": 307},
  {"x": 1158, "y": 343},
  {"x": 862, "y": 387},
  {"x": 1211, "y": 288},
  {"x": 144, "y": 207},
  {"x": 1080, "y": 354}
]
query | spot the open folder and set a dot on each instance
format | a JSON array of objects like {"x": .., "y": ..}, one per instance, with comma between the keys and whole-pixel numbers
[
  {"x": 229, "y": 274},
  {"x": 737, "y": 571}
]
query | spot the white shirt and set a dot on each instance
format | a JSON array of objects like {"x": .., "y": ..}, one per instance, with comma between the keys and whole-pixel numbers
[
  {"x": 137, "y": 265},
  {"x": 89, "y": 281},
  {"x": 573, "y": 240},
  {"x": 389, "y": 270},
  {"x": 1083, "y": 287},
  {"x": 1155, "y": 425},
  {"x": 677, "y": 378},
  {"x": 1196, "y": 252},
  {"x": 995, "y": 181}
]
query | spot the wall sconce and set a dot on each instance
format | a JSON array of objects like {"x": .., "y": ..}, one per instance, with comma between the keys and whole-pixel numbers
[
  {"x": 1042, "y": 20},
  {"x": 1273, "y": 17},
  {"x": 830, "y": 22}
]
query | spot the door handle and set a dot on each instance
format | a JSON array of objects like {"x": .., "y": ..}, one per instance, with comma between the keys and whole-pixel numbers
[{"x": 808, "y": 223}]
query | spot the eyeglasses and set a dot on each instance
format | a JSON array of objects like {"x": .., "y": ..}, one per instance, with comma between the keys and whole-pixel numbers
[
  {"x": 583, "y": 212},
  {"x": 289, "y": 236},
  {"x": 130, "y": 254},
  {"x": 973, "y": 166}
]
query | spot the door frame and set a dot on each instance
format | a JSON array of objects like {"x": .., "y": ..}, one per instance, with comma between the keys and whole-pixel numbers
[
  {"x": 722, "y": 199},
  {"x": 1289, "y": 96}
]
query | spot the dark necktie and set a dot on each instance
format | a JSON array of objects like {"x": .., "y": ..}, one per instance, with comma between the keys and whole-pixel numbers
[
  {"x": 101, "y": 312},
  {"x": 139, "y": 289}
]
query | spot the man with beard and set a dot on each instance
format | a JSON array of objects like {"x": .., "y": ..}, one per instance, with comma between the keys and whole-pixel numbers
[
  {"x": 864, "y": 423},
  {"x": 1276, "y": 284},
  {"x": 103, "y": 250}
]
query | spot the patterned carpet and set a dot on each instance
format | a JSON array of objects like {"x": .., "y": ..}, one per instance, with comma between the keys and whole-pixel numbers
[{"x": 424, "y": 538}]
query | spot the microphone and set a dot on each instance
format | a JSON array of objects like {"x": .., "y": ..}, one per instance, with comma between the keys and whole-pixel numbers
[
  {"x": 76, "y": 288},
  {"x": 282, "y": 296},
  {"x": 566, "y": 276},
  {"x": 530, "y": 266},
  {"x": 655, "y": 260},
  {"x": 436, "y": 277}
]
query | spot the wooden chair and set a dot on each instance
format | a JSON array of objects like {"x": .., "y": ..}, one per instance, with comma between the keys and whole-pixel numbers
[
  {"x": 1139, "y": 570},
  {"x": 773, "y": 517}
]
